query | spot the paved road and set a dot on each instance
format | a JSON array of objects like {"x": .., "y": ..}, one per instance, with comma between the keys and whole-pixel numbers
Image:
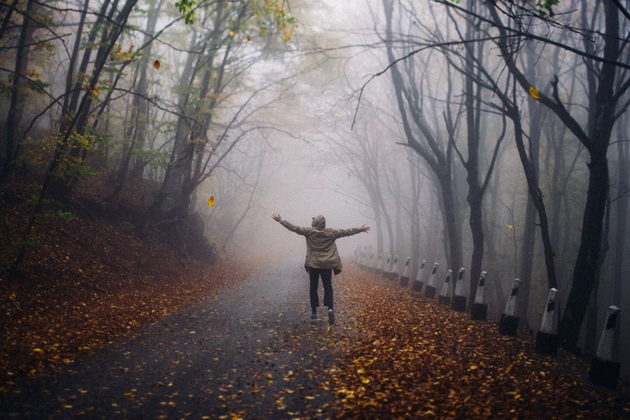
[{"x": 249, "y": 351}]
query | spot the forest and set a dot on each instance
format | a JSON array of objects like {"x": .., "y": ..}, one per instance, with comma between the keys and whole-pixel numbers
[{"x": 491, "y": 136}]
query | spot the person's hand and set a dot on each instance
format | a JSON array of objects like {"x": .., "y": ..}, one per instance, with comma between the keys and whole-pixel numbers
[
  {"x": 276, "y": 217},
  {"x": 364, "y": 228}
]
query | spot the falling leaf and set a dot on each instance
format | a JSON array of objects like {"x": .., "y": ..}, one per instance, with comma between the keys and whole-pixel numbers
[
  {"x": 211, "y": 201},
  {"x": 509, "y": 226},
  {"x": 156, "y": 64},
  {"x": 534, "y": 92},
  {"x": 232, "y": 33}
]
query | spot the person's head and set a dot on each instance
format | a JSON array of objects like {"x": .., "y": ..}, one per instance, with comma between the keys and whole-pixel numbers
[{"x": 319, "y": 222}]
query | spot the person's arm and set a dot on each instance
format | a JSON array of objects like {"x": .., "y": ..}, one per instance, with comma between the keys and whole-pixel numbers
[
  {"x": 340, "y": 233},
  {"x": 293, "y": 228}
]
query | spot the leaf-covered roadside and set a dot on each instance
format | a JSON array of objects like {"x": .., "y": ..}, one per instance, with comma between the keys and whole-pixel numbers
[
  {"x": 417, "y": 358},
  {"x": 88, "y": 281}
]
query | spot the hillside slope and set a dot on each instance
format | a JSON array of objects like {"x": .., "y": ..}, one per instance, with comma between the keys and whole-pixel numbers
[{"x": 89, "y": 280}]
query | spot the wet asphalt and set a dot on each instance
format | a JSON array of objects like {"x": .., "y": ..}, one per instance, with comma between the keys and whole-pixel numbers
[{"x": 250, "y": 351}]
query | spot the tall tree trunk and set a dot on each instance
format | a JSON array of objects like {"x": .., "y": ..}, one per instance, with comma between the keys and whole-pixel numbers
[
  {"x": 529, "y": 230},
  {"x": 74, "y": 86},
  {"x": 535, "y": 193},
  {"x": 438, "y": 160},
  {"x": 475, "y": 193},
  {"x": 601, "y": 120},
  {"x": 142, "y": 90},
  {"x": 585, "y": 271},
  {"x": 414, "y": 214},
  {"x": 19, "y": 86},
  {"x": 451, "y": 223},
  {"x": 621, "y": 201},
  {"x": 139, "y": 111},
  {"x": 7, "y": 17}
]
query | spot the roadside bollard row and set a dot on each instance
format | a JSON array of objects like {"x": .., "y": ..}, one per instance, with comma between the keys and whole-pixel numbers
[{"x": 604, "y": 369}]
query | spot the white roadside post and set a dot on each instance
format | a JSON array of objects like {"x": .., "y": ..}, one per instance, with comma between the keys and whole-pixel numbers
[
  {"x": 378, "y": 265},
  {"x": 386, "y": 265},
  {"x": 508, "y": 324},
  {"x": 479, "y": 310},
  {"x": 445, "y": 298},
  {"x": 417, "y": 284},
  {"x": 393, "y": 272},
  {"x": 404, "y": 278},
  {"x": 459, "y": 300},
  {"x": 363, "y": 259},
  {"x": 547, "y": 336},
  {"x": 604, "y": 370},
  {"x": 430, "y": 290}
]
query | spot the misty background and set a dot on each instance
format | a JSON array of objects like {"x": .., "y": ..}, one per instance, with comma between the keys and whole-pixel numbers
[{"x": 298, "y": 108}]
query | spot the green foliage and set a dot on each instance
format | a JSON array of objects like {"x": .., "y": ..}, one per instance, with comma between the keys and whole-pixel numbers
[
  {"x": 30, "y": 79},
  {"x": 38, "y": 85},
  {"x": 187, "y": 9},
  {"x": 156, "y": 158},
  {"x": 545, "y": 7},
  {"x": 5, "y": 89},
  {"x": 39, "y": 152},
  {"x": 51, "y": 210},
  {"x": 271, "y": 14}
]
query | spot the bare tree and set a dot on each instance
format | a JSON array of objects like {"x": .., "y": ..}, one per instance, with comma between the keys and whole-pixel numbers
[
  {"x": 422, "y": 138},
  {"x": 605, "y": 87},
  {"x": 610, "y": 84}
]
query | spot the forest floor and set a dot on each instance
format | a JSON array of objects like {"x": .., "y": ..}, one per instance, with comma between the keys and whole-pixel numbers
[
  {"x": 91, "y": 280},
  {"x": 91, "y": 284}
]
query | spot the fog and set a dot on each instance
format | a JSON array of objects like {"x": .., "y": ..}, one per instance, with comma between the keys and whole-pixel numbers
[
  {"x": 304, "y": 175},
  {"x": 343, "y": 101},
  {"x": 418, "y": 119}
]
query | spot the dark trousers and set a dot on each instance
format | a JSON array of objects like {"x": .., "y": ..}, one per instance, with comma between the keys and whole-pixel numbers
[{"x": 326, "y": 275}]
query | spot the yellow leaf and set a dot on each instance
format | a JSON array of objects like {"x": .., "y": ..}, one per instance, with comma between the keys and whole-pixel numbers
[
  {"x": 156, "y": 64},
  {"x": 534, "y": 92},
  {"x": 231, "y": 33},
  {"x": 211, "y": 201}
]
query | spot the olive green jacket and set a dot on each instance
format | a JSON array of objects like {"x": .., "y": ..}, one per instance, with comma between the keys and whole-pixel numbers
[{"x": 321, "y": 250}]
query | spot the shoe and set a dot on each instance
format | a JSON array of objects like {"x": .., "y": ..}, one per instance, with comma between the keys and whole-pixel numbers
[
  {"x": 314, "y": 315},
  {"x": 331, "y": 317}
]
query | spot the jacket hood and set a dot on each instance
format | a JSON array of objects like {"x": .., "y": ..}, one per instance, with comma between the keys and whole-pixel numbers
[{"x": 319, "y": 222}]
